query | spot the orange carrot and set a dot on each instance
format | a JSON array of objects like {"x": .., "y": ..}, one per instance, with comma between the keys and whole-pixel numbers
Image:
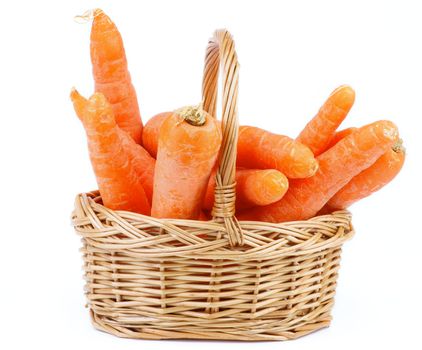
[
  {"x": 337, "y": 167},
  {"x": 117, "y": 178},
  {"x": 260, "y": 149},
  {"x": 143, "y": 163},
  {"x": 151, "y": 132},
  {"x": 188, "y": 147},
  {"x": 203, "y": 216},
  {"x": 340, "y": 135},
  {"x": 320, "y": 130},
  {"x": 253, "y": 187},
  {"x": 370, "y": 180},
  {"x": 111, "y": 74}
]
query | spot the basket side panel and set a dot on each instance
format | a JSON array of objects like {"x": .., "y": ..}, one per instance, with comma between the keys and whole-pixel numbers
[{"x": 203, "y": 299}]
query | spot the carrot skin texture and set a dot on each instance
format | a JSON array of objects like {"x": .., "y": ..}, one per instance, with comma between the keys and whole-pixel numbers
[
  {"x": 260, "y": 149},
  {"x": 117, "y": 178},
  {"x": 337, "y": 167},
  {"x": 185, "y": 159},
  {"x": 320, "y": 130},
  {"x": 112, "y": 76},
  {"x": 369, "y": 180},
  {"x": 253, "y": 187},
  {"x": 143, "y": 163},
  {"x": 340, "y": 135},
  {"x": 203, "y": 216},
  {"x": 151, "y": 132}
]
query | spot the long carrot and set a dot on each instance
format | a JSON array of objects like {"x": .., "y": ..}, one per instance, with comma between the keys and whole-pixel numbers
[
  {"x": 337, "y": 167},
  {"x": 117, "y": 178},
  {"x": 151, "y": 132},
  {"x": 370, "y": 180},
  {"x": 260, "y": 149},
  {"x": 111, "y": 74},
  {"x": 320, "y": 130},
  {"x": 188, "y": 147},
  {"x": 253, "y": 187}
]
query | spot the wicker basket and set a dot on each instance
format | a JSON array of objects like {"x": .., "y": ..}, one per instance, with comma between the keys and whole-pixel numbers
[{"x": 223, "y": 279}]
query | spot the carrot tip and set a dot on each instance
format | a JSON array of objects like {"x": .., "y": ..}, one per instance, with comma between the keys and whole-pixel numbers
[
  {"x": 398, "y": 147},
  {"x": 87, "y": 16},
  {"x": 344, "y": 88},
  {"x": 345, "y": 96},
  {"x": 391, "y": 132},
  {"x": 314, "y": 168},
  {"x": 74, "y": 94}
]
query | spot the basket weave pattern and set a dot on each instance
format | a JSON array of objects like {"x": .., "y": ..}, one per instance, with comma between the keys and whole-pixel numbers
[{"x": 223, "y": 279}]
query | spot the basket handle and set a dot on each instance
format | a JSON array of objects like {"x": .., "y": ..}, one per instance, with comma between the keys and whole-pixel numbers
[{"x": 221, "y": 51}]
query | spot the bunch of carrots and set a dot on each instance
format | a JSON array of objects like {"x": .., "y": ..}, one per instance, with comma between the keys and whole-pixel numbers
[{"x": 167, "y": 168}]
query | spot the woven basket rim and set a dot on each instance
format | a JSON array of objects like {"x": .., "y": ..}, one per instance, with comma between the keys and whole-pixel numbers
[{"x": 292, "y": 238}]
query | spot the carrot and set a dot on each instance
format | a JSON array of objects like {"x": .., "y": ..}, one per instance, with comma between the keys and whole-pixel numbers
[
  {"x": 337, "y": 167},
  {"x": 260, "y": 149},
  {"x": 253, "y": 187},
  {"x": 143, "y": 163},
  {"x": 339, "y": 135},
  {"x": 203, "y": 216},
  {"x": 151, "y": 132},
  {"x": 188, "y": 147},
  {"x": 370, "y": 180},
  {"x": 117, "y": 178},
  {"x": 320, "y": 130},
  {"x": 111, "y": 74}
]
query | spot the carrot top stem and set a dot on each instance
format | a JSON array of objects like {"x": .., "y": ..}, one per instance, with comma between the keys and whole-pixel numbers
[
  {"x": 87, "y": 16},
  {"x": 194, "y": 115},
  {"x": 398, "y": 147}
]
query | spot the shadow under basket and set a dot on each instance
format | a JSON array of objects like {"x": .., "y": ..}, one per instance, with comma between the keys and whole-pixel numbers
[{"x": 180, "y": 279}]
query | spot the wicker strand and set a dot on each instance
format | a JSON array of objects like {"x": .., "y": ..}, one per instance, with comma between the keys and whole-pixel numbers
[{"x": 221, "y": 51}]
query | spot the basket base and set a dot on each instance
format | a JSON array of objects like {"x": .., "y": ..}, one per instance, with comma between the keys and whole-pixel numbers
[{"x": 157, "y": 333}]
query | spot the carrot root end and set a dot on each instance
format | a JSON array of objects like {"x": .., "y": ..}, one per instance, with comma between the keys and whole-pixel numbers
[{"x": 194, "y": 115}]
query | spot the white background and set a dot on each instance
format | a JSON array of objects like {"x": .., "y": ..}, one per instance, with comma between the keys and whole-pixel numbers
[{"x": 292, "y": 55}]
